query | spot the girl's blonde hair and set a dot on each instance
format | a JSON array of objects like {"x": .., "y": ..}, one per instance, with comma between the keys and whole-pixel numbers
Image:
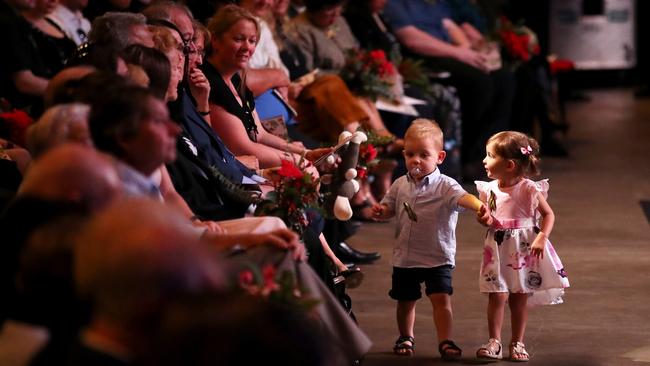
[
  {"x": 518, "y": 147},
  {"x": 226, "y": 17},
  {"x": 425, "y": 128}
]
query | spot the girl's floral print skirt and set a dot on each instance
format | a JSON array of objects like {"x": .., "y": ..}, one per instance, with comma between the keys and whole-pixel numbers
[{"x": 509, "y": 266}]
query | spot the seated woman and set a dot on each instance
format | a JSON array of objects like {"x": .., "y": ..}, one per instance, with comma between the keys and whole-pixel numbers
[
  {"x": 234, "y": 35},
  {"x": 232, "y": 107},
  {"x": 38, "y": 50},
  {"x": 325, "y": 106}
]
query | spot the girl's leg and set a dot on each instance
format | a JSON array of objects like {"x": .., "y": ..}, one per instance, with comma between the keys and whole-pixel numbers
[
  {"x": 340, "y": 266},
  {"x": 406, "y": 317},
  {"x": 495, "y": 311},
  {"x": 518, "y": 315}
]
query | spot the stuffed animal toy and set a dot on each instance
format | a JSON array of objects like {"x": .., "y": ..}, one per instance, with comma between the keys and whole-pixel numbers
[{"x": 342, "y": 184}]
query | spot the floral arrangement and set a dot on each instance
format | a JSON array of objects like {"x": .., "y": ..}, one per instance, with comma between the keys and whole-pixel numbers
[
  {"x": 13, "y": 125},
  {"x": 295, "y": 191},
  {"x": 367, "y": 159},
  {"x": 414, "y": 73},
  {"x": 278, "y": 287},
  {"x": 369, "y": 74},
  {"x": 519, "y": 42}
]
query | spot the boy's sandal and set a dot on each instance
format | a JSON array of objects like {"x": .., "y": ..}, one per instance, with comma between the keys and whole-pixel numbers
[
  {"x": 491, "y": 350},
  {"x": 446, "y": 349},
  {"x": 518, "y": 352},
  {"x": 404, "y": 346}
]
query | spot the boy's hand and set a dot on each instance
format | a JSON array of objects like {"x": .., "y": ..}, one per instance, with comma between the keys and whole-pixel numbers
[
  {"x": 378, "y": 211},
  {"x": 484, "y": 216}
]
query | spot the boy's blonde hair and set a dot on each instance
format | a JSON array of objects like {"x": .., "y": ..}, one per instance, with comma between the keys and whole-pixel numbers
[
  {"x": 518, "y": 147},
  {"x": 423, "y": 128}
]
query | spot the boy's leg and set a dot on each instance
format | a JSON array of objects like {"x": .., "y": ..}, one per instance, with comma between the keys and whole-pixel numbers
[
  {"x": 406, "y": 318},
  {"x": 518, "y": 315},
  {"x": 495, "y": 310},
  {"x": 442, "y": 315}
]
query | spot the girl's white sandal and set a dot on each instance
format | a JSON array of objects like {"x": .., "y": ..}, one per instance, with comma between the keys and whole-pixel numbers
[
  {"x": 518, "y": 352},
  {"x": 490, "y": 350}
]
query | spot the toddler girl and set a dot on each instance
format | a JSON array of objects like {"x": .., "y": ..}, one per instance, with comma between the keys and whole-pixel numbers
[{"x": 519, "y": 264}]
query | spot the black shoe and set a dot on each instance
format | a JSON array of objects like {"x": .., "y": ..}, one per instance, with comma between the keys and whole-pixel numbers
[{"x": 348, "y": 254}]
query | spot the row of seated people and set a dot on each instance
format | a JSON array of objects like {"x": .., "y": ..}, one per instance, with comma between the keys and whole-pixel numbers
[
  {"x": 215, "y": 94},
  {"x": 320, "y": 38},
  {"x": 132, "y": 124}
]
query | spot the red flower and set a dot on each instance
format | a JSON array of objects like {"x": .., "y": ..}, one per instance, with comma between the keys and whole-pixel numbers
[
  {"x": 362, "y": 173},
  {"x": 378, "y": 55},
  {"x": 289, "y": 170},
  {"x": 16, "y": 123},
  {"x": 246, "y": 278},
  {"x": 367, "y": 152}
]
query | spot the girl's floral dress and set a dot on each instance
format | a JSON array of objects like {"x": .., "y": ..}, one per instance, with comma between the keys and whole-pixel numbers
[{"x": 508, "y": 264}]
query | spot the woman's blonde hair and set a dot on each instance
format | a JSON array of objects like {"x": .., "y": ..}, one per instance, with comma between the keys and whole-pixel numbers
[
  {"x": 164, "y": 39},
  {"x": 227, "y": 16},
  {"x": 422, "y": 128},
  {"x": 518, "y": 147}
]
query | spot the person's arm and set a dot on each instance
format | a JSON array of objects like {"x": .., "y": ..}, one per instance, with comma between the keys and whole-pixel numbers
[
  {"x": 234, "y": 135},
  {"x": 483, "y": 214},
  {"x": 280, "y": 238},
  {"x": 381, "y": 212},
  {"x": 200, "y": 89},
  {"x": 173, "y": 198},
  {"x": 28, "y": 83},
  {"x": 456, "y": 34},
  {"x": 473, "y": 35},
  {"x": 546, "y": 226},
  {"x": 261, "y": 80},
  {"x": 424, "y": 44}
]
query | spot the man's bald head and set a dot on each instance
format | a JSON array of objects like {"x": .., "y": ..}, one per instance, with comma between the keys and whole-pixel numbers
[
  {"x": 73, "y": 173},
  {"x": 139, "y": 253}
]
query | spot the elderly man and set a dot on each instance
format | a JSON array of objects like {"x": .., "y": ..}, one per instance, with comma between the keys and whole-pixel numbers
[
  {"x": 61, "y": 189},
  {"x": 130, "y": 261}
]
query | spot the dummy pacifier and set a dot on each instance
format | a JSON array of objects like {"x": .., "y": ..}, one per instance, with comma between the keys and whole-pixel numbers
[{"x": 415, "y": 172}]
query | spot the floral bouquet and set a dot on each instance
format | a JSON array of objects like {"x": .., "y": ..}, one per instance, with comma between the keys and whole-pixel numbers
[
  {"x": 295, "y": 191},
  {"x": 278, "y": 287},
  {"x": 367, "y": 159},
  {"x": 13, "y": 125},
  {"x": 370, "y": 74},
  {"x": 519, "y": 42}
]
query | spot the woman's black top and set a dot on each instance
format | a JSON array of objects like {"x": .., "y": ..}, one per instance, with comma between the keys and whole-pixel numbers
[{"x": 221, "y": 94}]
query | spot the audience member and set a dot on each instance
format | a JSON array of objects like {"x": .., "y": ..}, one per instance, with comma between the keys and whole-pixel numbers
[
  {"x": 486, "y": 96},
  {"x": 116, "y": 31},
  {"x": 38, "y": 51},
  {"x": 129, "y": 261},
  {"x": 59, "y": 124},
  {"x": 68, "y": 17},
  {"x": 217, "y": 329}
]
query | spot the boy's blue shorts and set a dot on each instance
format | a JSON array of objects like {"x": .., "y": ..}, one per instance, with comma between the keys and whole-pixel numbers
[{"x": 406, "y": 282}]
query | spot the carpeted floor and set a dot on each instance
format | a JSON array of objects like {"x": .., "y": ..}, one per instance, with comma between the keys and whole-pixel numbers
[{"x": 601, "y": 235}]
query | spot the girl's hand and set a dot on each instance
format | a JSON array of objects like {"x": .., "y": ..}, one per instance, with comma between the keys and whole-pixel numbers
[
  {"x": 200, "y": 89},
  {"x": 537, "y": 249},
  {"x": 340, "y": 266}
]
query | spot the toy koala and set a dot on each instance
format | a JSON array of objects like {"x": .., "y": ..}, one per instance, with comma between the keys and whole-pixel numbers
[{"x": 342, "y": 184}]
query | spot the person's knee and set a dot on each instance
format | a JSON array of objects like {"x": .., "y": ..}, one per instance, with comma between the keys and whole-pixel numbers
[{"x": 440, "y": 300}]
